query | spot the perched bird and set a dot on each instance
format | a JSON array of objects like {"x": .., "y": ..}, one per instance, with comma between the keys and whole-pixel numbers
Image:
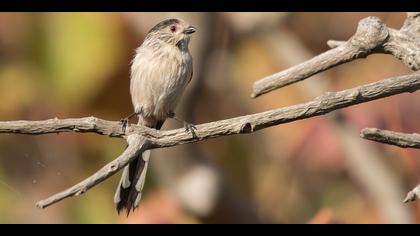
[{"x": 160, "y": 72}]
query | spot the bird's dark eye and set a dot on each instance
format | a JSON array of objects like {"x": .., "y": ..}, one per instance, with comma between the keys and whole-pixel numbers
[{"x": 173, "y": 28}]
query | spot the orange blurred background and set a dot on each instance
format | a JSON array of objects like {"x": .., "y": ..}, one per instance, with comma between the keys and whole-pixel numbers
[{"x": 312, "y": 171}]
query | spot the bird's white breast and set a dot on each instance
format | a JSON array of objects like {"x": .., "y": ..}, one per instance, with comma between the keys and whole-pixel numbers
[{"x": 158, "y": 79}]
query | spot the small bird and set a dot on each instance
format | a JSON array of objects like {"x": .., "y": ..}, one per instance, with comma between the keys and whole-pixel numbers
[{"x": 160, "y": 72}]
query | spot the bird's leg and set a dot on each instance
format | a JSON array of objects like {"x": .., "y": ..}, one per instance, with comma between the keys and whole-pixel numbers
[
  {"x": 124, "y": 121},
  {"x": 188, "y": 126}
]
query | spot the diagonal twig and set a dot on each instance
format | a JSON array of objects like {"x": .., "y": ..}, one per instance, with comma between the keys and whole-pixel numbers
[
  {"x": 372, "y": 36},
  {"x": 136, "y": 145}
]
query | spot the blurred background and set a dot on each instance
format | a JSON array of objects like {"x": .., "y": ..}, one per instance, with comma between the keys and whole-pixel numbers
[{"x": 312, "y": 171}]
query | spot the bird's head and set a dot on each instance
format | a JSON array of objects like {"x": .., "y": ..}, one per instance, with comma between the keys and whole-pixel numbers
[{"x": 175, "y": 32}]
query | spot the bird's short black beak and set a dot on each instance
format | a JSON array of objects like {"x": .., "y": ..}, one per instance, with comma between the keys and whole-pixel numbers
[{"x": 189, "y": 30}]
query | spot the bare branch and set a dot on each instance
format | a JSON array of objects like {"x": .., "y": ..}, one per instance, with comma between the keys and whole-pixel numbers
[
  {"x": 136, "y": 145},
  {"x": 305, "y": 70},
  {"x": 390, "y": 137},
  {"x": 398, "y": 139},
  {"x": 384, "y": 193},
  {"x": 83, "y": 125},
  {"x": 239, "y": 125},
  {"x": 372, "y": 36},
  {"x": 413, "y": 194},
  {"x": 371, "y": 32}
]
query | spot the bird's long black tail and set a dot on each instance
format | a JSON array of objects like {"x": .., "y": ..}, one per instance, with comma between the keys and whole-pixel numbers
[{"x": 129, "y": 191}]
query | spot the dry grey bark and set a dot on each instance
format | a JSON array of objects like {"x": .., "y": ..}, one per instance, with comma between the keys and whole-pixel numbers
[
  {"x": 390, "y": 137},
  {"x": 413, "y": 194},
  {"x": 238, "y": 125},
  {"x": 398, "y": 139},
  {"x": 133, "y": 150},
  {"x": 372, "y": 36},
  {"x": 379, "y": 183}
]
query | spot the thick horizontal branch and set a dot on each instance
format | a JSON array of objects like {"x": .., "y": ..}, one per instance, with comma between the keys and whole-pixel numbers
[
  {"x": 239, "y": 125},
  {"x": 83, "y": 125},
  {"x": 413, "y": 194},
  {"x": 372, "y": 36},
  {"x": 319, "y": 106},
  {"x": 390, "y": 137},
  {"x": 136, "y": 145}
]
